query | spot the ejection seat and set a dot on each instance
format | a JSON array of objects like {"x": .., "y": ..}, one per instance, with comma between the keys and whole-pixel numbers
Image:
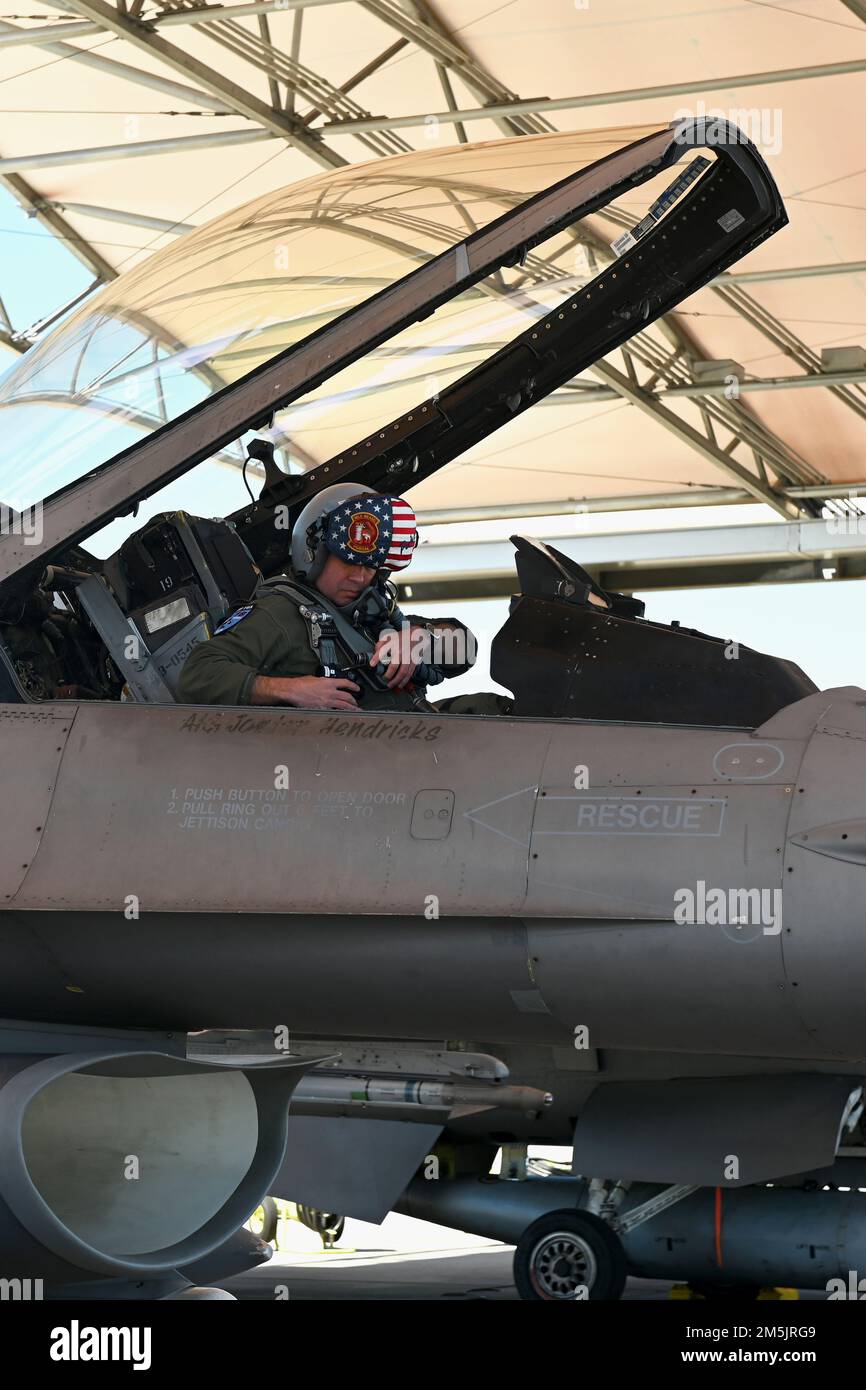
[{"x": 167, "y": 588}]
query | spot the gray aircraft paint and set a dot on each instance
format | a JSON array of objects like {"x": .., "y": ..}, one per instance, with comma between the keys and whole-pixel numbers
[{"x": 191, "y": 820}]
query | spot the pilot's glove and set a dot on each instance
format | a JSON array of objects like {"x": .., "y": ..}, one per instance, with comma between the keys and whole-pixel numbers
[{"x": 394, "y": 658}]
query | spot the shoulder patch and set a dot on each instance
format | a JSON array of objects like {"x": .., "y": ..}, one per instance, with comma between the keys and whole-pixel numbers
[{"x": 236, "y": 617}]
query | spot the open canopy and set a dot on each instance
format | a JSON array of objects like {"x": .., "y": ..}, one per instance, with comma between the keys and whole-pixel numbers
[{"x": 252, "y": 313}]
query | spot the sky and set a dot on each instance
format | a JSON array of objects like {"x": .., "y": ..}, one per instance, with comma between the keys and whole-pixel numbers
[
  {"x": 38, "y": 272},
  {"x": 819, "y": 625}
]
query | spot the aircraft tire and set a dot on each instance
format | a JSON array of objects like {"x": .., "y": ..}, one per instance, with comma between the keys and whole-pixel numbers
[
  {"x": 564, "y": 1251},
  {"x": 324, "y": 1223},
  {"x": 265, "y": 1225}
]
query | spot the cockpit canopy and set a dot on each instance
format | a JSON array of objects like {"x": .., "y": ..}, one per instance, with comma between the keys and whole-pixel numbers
[{"x": 168, "y": 368}]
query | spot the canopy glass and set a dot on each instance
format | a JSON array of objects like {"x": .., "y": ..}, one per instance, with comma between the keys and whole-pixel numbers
[{"x": 227, "y": 297}]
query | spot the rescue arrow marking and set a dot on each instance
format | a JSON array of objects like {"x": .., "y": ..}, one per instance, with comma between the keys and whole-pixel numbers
[{"x": 474, "y": 816}]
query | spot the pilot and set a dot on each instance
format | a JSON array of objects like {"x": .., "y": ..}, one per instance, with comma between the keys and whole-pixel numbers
[{"x": 327, "y": 634}]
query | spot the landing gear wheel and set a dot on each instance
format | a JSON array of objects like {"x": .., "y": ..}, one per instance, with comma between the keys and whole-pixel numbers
[
  {"x": 264, "y": 1219},
  {"x": 564, "y": 1251},
  {"x": 326, "y": 1223}
]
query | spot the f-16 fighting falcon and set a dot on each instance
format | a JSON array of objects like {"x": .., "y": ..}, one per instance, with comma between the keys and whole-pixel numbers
[{"x": 446, "y": 933}]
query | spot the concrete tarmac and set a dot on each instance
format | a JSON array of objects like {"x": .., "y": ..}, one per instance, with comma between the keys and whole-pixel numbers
[
  {"x": 453, "y": 1275},
  {"x": 403, "y": 1259}
]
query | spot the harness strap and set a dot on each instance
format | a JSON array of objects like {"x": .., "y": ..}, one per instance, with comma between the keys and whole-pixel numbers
[{"x": 326, "y": 626}]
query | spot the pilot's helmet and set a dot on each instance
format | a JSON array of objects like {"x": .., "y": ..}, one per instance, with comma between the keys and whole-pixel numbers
[{"x": 356, "y": 524}]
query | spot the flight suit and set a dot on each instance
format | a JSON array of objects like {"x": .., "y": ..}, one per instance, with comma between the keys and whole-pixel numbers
[{"x": 270, "y": 638}]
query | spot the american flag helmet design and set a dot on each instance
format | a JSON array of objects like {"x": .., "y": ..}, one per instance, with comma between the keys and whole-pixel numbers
[{"x": 372, "y": 529}]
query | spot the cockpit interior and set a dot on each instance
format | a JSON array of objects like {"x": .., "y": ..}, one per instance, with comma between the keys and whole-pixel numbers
[{"x": 123, "y": 627}]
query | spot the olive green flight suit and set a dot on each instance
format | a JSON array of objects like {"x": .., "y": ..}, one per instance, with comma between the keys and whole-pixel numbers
[{"x": 272, "y": 640}]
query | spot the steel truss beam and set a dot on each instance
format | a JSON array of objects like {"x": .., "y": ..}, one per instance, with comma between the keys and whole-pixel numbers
[
  {"x": 321, "y": 93},
  {"x": 203, "y": 14},
  {"x": 428, "y": 34},
  {"x": 229, "y": 94},
  {"x": 781, "y": 336},
  {"x": 735, "y": 296},
  {"x": 797, "y": 272},
  {"x": 124, "y": 71},
  {"x": 644, "y": 401},
  {"x": 497, "y": 110},
  {"x": 733, "y": 414},
  {"x": 134, "y": 149},
  {"x": 634, "y": 502},
  {"x": 129, "y": 219},
  {"x": 54, "y": 222},
  {"x": 576, "y": 393},
  {"x": 13, "y": 344}
]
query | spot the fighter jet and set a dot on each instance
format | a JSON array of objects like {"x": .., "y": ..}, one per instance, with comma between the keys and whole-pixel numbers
[{"x": 345, "y": 960}]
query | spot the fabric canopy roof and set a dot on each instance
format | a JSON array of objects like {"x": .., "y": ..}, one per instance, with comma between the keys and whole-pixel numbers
[{"x": 172, "y": 124}]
